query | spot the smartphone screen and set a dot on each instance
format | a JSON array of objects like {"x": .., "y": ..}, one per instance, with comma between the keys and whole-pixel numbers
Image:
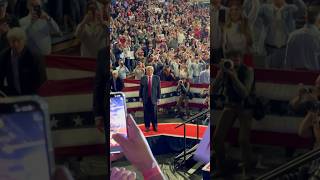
[
  {"x": 118, "y": 120},
  {"x": 23, "y": 142}
]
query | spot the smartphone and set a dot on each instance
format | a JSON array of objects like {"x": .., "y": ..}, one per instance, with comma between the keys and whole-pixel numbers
[
  {"x": 118, "y": 119},
  {"x": 25, "y": 148}
]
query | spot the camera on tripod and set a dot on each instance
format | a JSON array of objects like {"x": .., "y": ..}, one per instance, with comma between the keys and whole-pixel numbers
[{"x": 226, "y": 64}]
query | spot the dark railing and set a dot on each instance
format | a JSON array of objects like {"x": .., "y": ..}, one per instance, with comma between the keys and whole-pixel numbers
[
  {"x": 193, "y": 118},
  {"x": 291, "y": 165}
]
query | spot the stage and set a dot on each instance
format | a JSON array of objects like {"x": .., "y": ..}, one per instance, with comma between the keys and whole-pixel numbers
[{"x": 85, "y": 145}]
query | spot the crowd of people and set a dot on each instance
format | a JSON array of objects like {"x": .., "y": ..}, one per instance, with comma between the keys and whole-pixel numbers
[
  {"x": 26, "y": 37},
  {"x": 268, "y": 29},
  {"x": 171, "y": 36},
  {"x": 242, "y": 31}
]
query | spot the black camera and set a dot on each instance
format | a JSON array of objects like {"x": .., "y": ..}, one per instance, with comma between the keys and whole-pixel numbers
[{"x": 227, "y": 64}]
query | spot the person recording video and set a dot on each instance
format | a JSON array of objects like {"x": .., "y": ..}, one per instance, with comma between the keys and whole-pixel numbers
[
  {"x": 234, "y": 81},
  {"x": 183, "y": 89}
]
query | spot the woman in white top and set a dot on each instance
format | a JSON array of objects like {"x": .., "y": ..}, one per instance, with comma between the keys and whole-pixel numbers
[
  {"x": 184, "y": 71},
  {"x": 91, "y": 32},
  {"x": 139, "y": 71},
  {"x": 236, "y": 33}
]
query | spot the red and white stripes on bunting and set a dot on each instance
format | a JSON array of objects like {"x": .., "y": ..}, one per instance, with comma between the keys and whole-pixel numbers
[
  {"x": 71, "y": 82},
  {"x": 169, "y": 95}
]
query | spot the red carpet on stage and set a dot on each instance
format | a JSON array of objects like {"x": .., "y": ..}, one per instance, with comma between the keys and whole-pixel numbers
[{"x": 168, "y": 129}]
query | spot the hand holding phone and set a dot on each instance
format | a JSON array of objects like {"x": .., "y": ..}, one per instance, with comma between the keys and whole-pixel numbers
[
  {"x": 24, "y": 126},
  {"x": 135, "y": 147},
  {"x": 118, "y": 119}
]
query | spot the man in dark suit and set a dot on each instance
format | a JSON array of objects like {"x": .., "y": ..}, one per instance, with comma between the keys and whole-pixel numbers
[
  {"x": 21, "y": 72},
  {"x": 149, "y": 94},
  {"x": 116, "y": 83}
]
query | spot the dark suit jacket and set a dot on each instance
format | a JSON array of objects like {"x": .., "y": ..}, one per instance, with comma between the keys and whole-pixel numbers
[
  {"x": 155, "y": 91},
  {"x": 31, "y": 73},
  {"x": 119, "y": 85},
  {"x": 101, "y": 83}
]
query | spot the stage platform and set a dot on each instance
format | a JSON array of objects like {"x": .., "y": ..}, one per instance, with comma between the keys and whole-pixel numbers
[{"x": 85, "y": 145}]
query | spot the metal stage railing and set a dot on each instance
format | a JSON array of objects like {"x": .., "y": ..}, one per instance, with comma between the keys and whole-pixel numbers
[
  {"x": 193, "y": 118},
  {"x": 295, "y": 163}
]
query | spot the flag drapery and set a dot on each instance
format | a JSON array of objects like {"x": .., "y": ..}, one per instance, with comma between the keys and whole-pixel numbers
[{"x": 169, "y": 95}]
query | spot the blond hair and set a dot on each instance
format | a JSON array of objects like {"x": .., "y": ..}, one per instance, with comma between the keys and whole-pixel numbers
[{"x": 17, "y": 34}]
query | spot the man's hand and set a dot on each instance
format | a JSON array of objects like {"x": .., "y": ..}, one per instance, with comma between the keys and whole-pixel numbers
[
  {"x": 34, "y": 16},
  {"x": 45, "y": 16},
  {"x": 232, "y": 73},
  {"x": 135, "y": 147}
]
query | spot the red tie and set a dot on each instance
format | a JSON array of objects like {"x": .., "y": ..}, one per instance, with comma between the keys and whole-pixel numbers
[{"x": 149, "y": 86}]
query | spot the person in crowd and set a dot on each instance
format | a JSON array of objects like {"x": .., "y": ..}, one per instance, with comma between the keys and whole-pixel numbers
[
  {"x": 10, "y": 19},
  {"x": 204, "y": 77},
  {"x": 183, "y": 89},
  {"x": 308, "y": 101},
  {"x": 116, "y": 82},
  {"x": 303, "y": 48},
  {"x": 306, "y": 96},
  {"x": 174, "y": 65},
  {"x": 139, "y": 71},
  {"x": 236, "y": 81},
  {"x": 279, "y": 21},
  {"x": 24, "y": 71},
  {"x": 197, "y": 67},
  {"x": 39, "y": 27},
  {"x": 237, "y": 35},
  {"x": 91, "y": 32},
  {"x": 138, "y": 153},
  {"x": 149, "y": 94},
  {"x": 184, "y": 73},
  {"x": 166, "y": 74},
  {"x": 123, "y": 70},
  {"x": 159, "y": 40},
  {"x": 219, "y": 17}
]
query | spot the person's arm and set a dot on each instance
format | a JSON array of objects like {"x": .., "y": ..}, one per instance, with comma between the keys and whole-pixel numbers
[
  {"x": 141, "y": 88},
  {"x": 254, "y": 10},
  {"x": 217, "y": 82},
  {"x": 305, "y": 127},
  {"x": 188, "y": 87},
  {"x": 136, "y": 149},
  {"x": 299, "y": 7},
  {"x": 243, "y": 89},
  {"x": 54, "y": 27},
  {"x": 121, "y": 84},
  {"x": 80, "y": 30},
  {"x": 296, "y": 102}
]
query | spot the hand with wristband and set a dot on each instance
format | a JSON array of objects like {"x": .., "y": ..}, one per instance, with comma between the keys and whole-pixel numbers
[{"x": 137, "y": 151}]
